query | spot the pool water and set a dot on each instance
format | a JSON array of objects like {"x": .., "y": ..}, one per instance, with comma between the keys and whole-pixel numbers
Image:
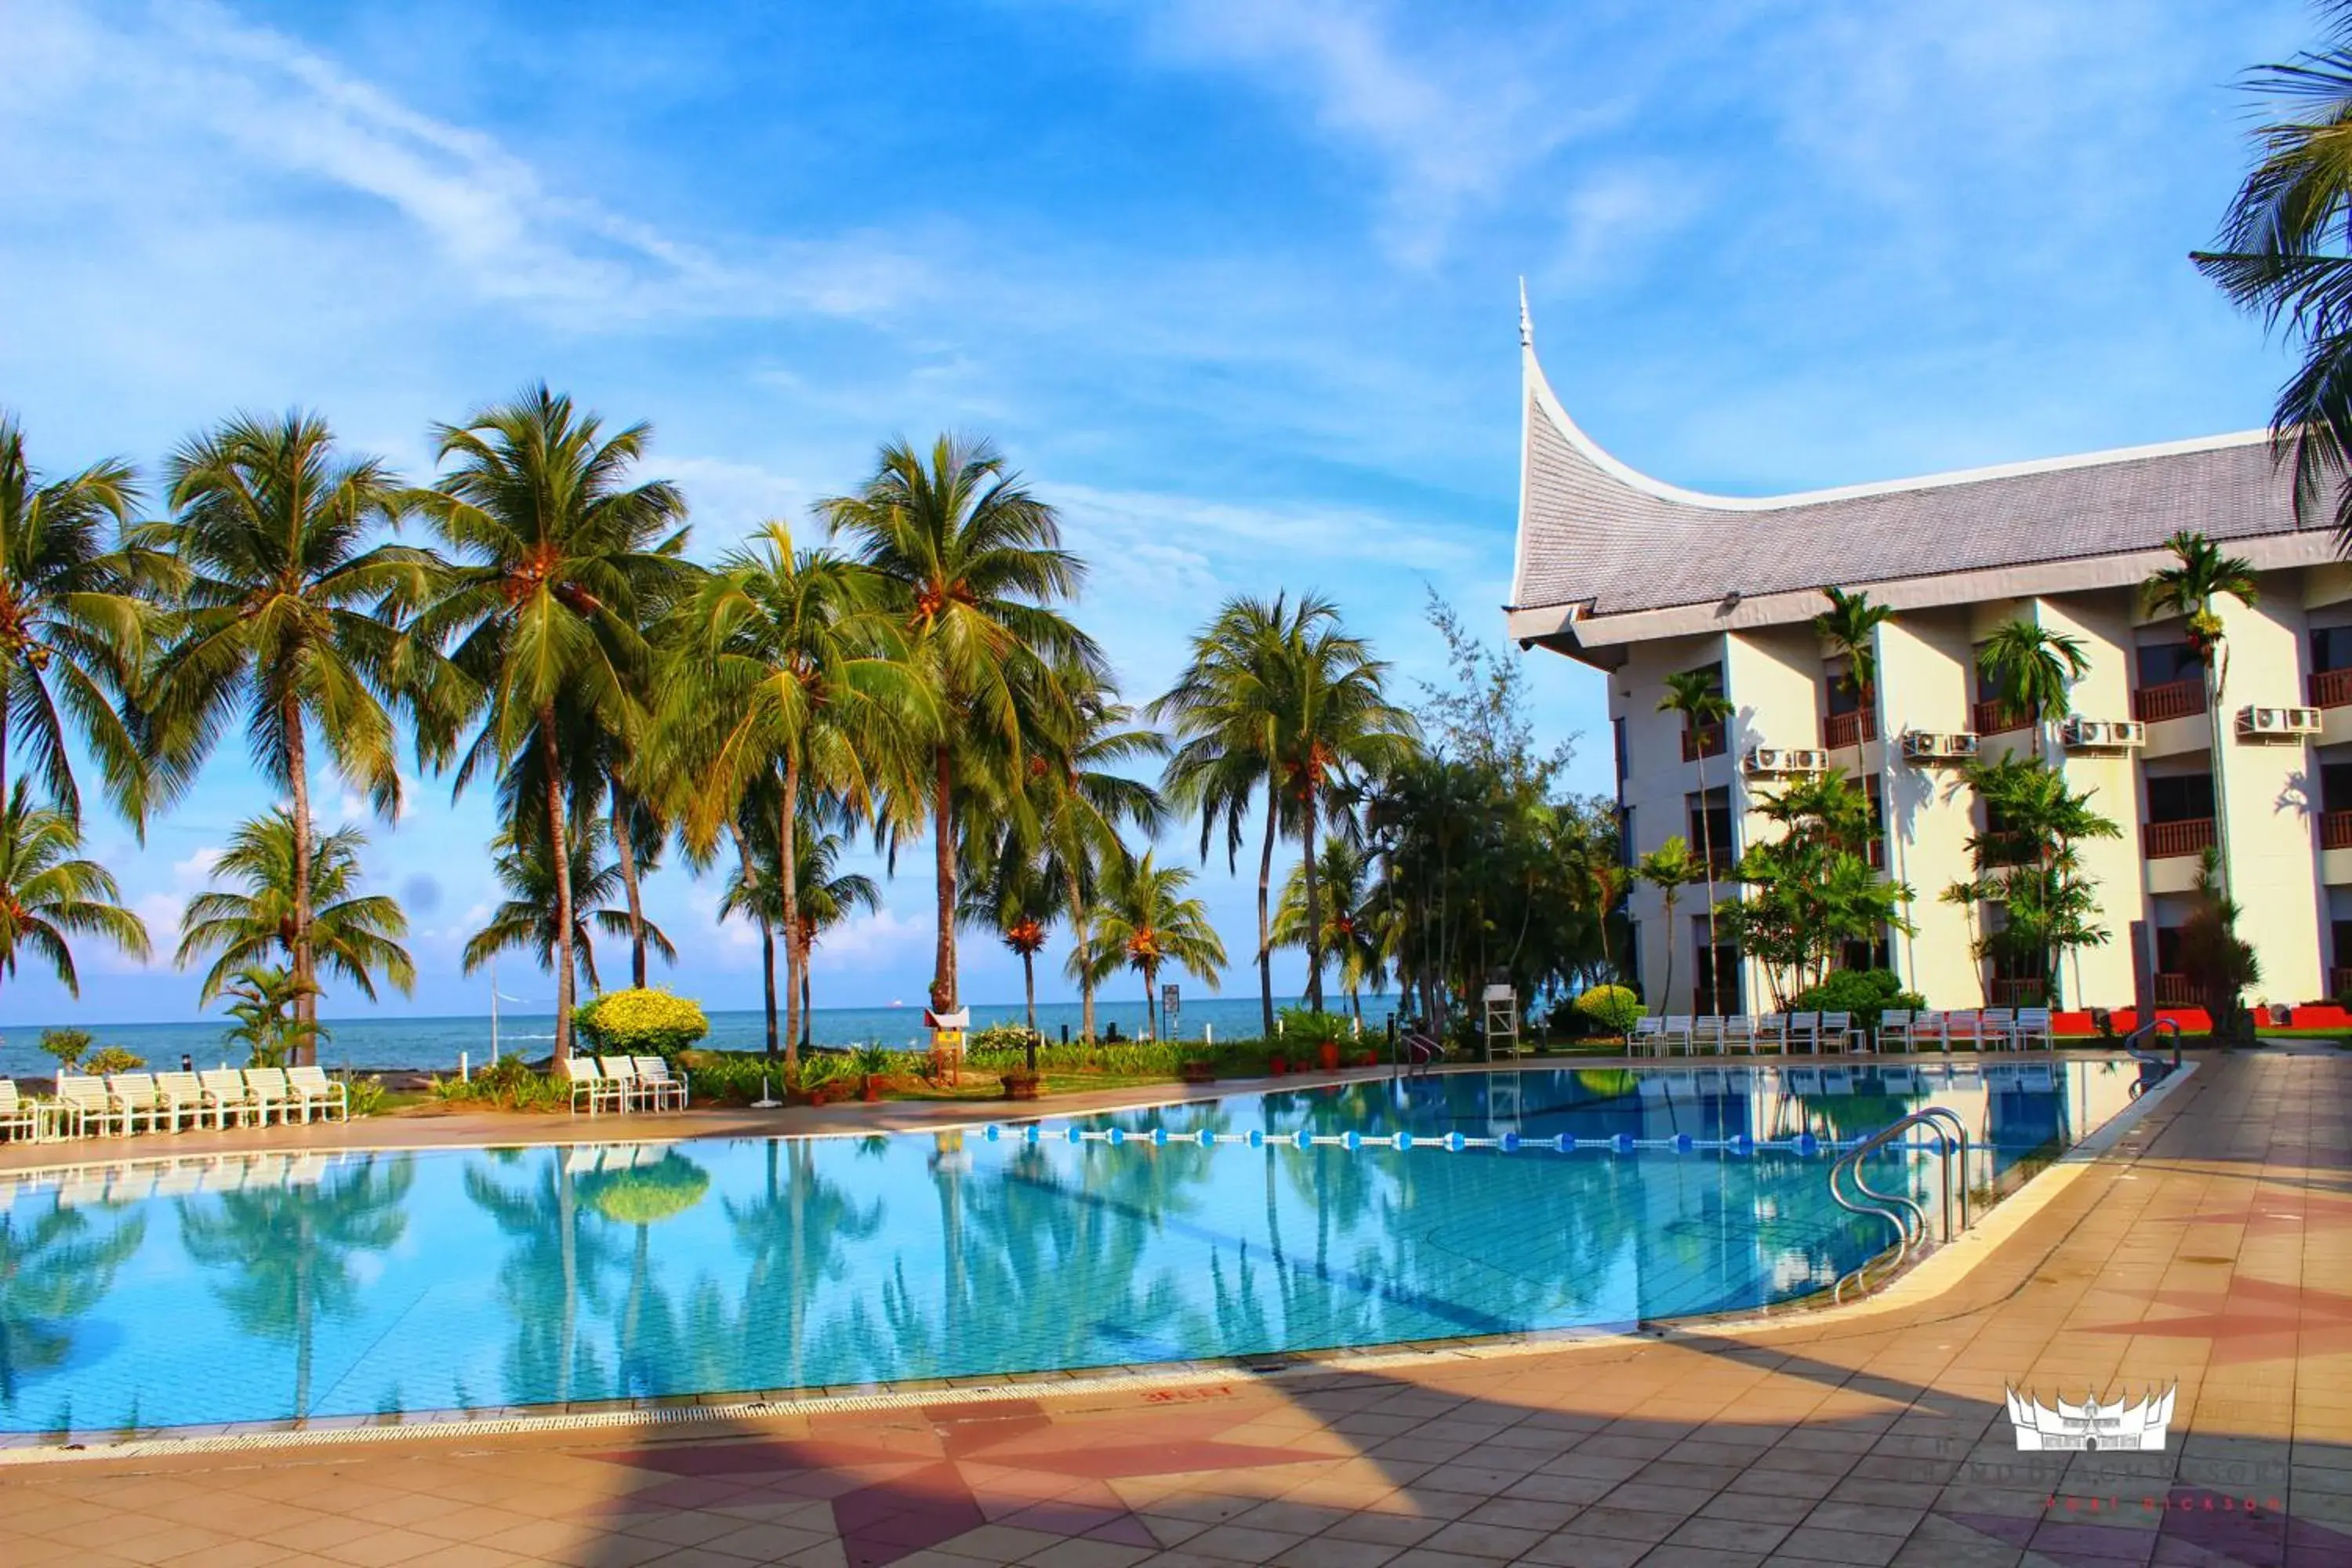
[{"x": 233, "y": 1290}]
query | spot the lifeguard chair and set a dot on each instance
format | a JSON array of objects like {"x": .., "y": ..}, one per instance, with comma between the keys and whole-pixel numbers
[{"x": 1502, "y": 1023}]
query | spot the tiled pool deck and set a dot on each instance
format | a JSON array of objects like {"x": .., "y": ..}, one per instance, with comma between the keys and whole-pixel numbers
[{"x": 2212, "y": 1246}]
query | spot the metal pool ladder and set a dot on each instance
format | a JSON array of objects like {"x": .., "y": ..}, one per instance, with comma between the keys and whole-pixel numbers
[{"x": 1905, "y": 1213}]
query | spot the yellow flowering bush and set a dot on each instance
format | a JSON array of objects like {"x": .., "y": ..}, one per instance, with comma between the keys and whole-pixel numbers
[{"x": 640, "y": 1023}]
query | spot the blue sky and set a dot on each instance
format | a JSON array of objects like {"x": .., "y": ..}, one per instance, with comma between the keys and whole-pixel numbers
[{"x": 1230, "y": 280}]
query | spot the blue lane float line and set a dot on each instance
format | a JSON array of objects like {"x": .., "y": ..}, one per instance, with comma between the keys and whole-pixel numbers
[{"x": 1805, "y": 1143}]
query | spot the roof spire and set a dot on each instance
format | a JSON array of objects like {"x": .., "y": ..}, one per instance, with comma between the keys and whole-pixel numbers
[{"x": 1527, "y": 327}]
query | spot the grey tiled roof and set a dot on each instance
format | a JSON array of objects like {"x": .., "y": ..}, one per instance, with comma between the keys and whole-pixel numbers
[{"x": 1590, "y": 535}]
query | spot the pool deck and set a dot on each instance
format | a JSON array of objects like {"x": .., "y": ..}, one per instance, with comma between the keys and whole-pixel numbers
[{"x": 2210, "y": 1244}]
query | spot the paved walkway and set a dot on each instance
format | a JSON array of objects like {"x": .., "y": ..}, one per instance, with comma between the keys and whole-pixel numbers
[{"x": 2212, "y": 1247}]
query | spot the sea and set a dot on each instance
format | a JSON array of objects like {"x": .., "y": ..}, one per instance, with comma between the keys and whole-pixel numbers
[{"x": 434, "y": 1045}]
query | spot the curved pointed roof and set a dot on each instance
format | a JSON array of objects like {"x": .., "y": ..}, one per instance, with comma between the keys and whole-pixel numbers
[{"x": 1598, "y": 539}]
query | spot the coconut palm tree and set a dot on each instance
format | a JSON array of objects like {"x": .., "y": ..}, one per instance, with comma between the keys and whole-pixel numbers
[
  {"x": 2281, "y": 255},
  {"x": 1850, "y": 627},
  {"x": 1082, "y": 803},
  {"x": 353, "y": 933},
  {"x": 558, "y": 559},
  {"x": 787, "y": 665},
  {"x": 1010, "y": 892},
  {"x": 1670, "y": 868},
  {"x": 289, "y": 617},
  {"x": 73, "y": 627},
  {"x": 829, "y": 898},
  {"x": 973, "y": 566},
  {"x": 1697, "y": 696},
  {"x": 2199, "y": 577},
  {"x": 1350, "y": 926},
  {"x": 48, "y": 893},
  {"x": 2033, "y": 669},
  {"x": 528, "y": 920},
  {"x": 1144, "y": 922},
  {"x": 265, "y": 1002}
]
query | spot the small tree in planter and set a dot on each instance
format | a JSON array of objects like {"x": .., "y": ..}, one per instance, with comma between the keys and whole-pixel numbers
[
  {"x": 867, "y": 1064},
  {"x": 1320, "y": 1033}
]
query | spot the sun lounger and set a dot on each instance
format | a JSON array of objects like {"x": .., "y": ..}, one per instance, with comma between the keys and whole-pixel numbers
[
  {"x": 1895, "y": 1029},
  {"x": 623, "y": 1071},
  {"x": 1838, "y": 1027},
  {"x": 1705, "y": 1034},
  {"x": 1677, "y": 1030},
  {"x": 271, "y": 1093},
  {"x": 588, "y": 1083},
  {"x": 1739, "y": 1034},
  {"x": 1805, "y": 1030},
  {"x": 2033, "y": 1029},
  {"x": 84, "y": 1101},
  {"x": 136, "y": 1096},
  {"x": 312, "y": 1086},
  {"x": 226, "y": 1091},
  {"x": 1648, "y": 1037},
  {"x": 183, "y": 1099},
  {"x": 663, "y": 1087},
  {"x": 1772, "y": 1031},
  {"x": 1998, "y": 1030},
  {"x": 1964, "y": 1027},
  {"x": 20, "y": 1118}
]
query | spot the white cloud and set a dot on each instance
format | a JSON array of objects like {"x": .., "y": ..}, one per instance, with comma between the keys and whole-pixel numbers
[{"x": 886, "y": 936}]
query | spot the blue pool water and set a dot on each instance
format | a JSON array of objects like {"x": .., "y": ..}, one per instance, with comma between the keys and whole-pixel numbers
[{"x": 201, "y": 1293}]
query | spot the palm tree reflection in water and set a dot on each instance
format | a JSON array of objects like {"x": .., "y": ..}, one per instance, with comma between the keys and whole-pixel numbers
[
  {"x": 289, "y": 1250},
  {"x": 54, "y": 1268}
]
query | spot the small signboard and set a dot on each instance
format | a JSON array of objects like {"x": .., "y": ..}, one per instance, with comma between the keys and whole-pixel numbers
[{"x": 1172, "y": 1006}]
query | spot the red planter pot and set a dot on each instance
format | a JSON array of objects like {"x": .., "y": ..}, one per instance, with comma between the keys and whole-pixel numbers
[
  {"x": 1329, "y": 1055},
  {"x": 1277, "y": 1066}
]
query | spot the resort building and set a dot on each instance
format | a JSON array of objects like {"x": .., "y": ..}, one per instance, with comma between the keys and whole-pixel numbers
[{"x": 1642, "y": 580}]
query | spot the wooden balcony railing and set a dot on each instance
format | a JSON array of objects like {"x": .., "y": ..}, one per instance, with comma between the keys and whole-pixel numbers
[
  {"x": 1707, "y": 741},
  {"x": 2335, "y": 830},
  {"x": 2331, "y": 689},
  {"x": 2015, "y": 993},
  {"x": 2174, "y": 991},
  {"x": 2167, "y": 840},
  {"x": 1994, "y": 717},
  {"x": 2173, "y": 700},
  {"x": 1840, "y": 731}
]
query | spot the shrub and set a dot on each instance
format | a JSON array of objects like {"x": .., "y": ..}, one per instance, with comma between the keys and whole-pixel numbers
[
  {"x": 506, "y": 1084},
  {"x": 641, "y": 1023},
  {"x": 1611, "y": 1008},
  {"x": 1303, "y": 1026},
  {"x": 998, "y": 1038},
  {"x": 1865, "y": 992},
  {"x": 68, "y": 1046},
  {"x": 869, "y": 1060},
  {"x": 112, "y": 1059},
  {"x": 365, "y": 1096}
]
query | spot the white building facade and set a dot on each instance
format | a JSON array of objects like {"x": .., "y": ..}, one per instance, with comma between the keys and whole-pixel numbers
[{"x": 1641, "y": 580}]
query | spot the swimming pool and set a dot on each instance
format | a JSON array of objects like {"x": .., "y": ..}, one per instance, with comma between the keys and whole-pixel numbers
[{"x": 234, "y": 1290}]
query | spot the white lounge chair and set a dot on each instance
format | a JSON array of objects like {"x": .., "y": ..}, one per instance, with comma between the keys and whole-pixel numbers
[
  {"x": 1895, "y": 1029},
  {"x": 226, "y": 1091},
  {"x": 270, "y": 1094},
  {"x": 1707, "y": 1034},
  {"x": 1839, "y": 1027},
  {"x": 136, "y": 1097},
  {"x": 623, "y": 1071},
  {"x": 183, "y": 1099},
  {"x": 83, "y": 1101},
  {"x": 1678, "y": 1028},
  {"x": 1739, "y": 1034},
  {"x": 2033, "y": 1029},
  {"x": 1773, "y": 1033},
  {"x": 663, "y": 1087},
  {"x": 1997, "y": 1029},
  {"x": 20, "y": 1118},
  {"x": 1963, "y": 1027},
  {"x": 588, "y": 1083},
  {"x": 312, "y": 1086},
  {"x": 1648, "y": 1037},
  {"x": 1805, "y": 1030}
]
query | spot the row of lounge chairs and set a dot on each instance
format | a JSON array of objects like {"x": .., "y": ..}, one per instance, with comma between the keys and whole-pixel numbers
[
  {"x": 1904, "y": 1029},
  {"x": 121, "y": 1103},
  {"x": 622, "y": 1083}
]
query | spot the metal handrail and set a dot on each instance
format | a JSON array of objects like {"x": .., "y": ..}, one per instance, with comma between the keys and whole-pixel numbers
[
  {"x": 2155, "y": 1026},
  {"x": 1951, "y": 1136}
]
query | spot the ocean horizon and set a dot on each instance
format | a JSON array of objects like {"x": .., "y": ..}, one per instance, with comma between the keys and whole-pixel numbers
[{"x": 434, "y": 1044}]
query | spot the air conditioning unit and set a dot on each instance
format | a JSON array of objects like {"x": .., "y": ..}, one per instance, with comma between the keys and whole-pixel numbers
[
  {"x": 1926, "y": 746},
  {"x": 2103, "y": 735},
  {"x": 1787, "y": 760},
  {"x": 2277, "y": 723}
]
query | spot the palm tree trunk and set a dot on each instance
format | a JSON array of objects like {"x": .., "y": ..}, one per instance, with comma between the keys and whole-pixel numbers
[
  {"x": 1150, "y": 1002},
  {"x": 806, "y": 947},
  {"x": 1666, "y": 986},
  {"x": 1029, "y": 985},
  {"x": 1265, "y": 924},
  {"x": 767, "y": 975},
  {"x": 560, "y": 848},
  {"x": 297, "y": 778},
  {"x": 1081, "y": 931},
  {"x": 2220, "y": 789},
  {"x": 1706, "y": 848},
  {"x": 1314, "y": 906},
  {"x": 943, "y": 962},
  {"x": 625, "y": 848},
  {"x": 788, "y": 830}
]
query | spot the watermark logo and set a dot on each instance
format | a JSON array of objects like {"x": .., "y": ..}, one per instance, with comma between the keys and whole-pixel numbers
[{"x": 2092, "y": 1426}]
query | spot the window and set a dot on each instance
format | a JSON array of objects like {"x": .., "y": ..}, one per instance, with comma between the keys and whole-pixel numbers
[
  {"x": 1988, "y": 688},
  {"x": 2336, "y": 787},
  {"x": 2331, "y": 648},
  {"x": 1716, "y": 986},
  {"x": 1709, "y": 831},
  {"x": 1879, "y": 955},
  {"x": 1705, "y": 740},
  {"x": 1634, "y": 953},
  {"x": 1626, "y": 855},
  {"x": 1617, "y": 736},
  {"x": 1844, "y": 697},
  {"x": 2161, "y": 664},
  {"x": 2168, "y": 949},
  {"x": 2184, "y": 798}
]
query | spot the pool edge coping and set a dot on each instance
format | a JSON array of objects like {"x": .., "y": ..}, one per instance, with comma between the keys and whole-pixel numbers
[{"x": 1937, "y": 1272}]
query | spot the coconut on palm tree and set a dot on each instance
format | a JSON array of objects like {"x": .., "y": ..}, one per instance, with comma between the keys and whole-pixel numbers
[
  {"x": 788, "y": 667},
  {"x": 2200, "y": 576},
  {"x": 557, "y": 557},
  {"x": 1670, "y": 868},
  {"x": 1144, "y": 922},
  {"x": 48, "y": 893},
  {"x": 288, "y": 619},
  {"x": 973, "y": 566},
  {"x": 73, "y": 627},
  {"x": 1697, "y": 696},
  {"x": 527, "y": 919},
  {"x": 354, "y": 934},
  {"x": 2032, "y": 670}
]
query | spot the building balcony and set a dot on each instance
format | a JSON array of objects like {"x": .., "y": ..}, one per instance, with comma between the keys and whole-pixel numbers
[
  {"x": 2335, "y": 830},
  {"x": 2331, "y": 689},
  {"x": 2167, "y": 839},
  {"x": 2173, "y": 700},
  {"x": 1994, "y": 717},
  {"x": 2174, "y": 991},
  {"x": 1707, "y": 741},
  {"x": 2339, "y": 982},
  {"x": 1842, "y": 731}
]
